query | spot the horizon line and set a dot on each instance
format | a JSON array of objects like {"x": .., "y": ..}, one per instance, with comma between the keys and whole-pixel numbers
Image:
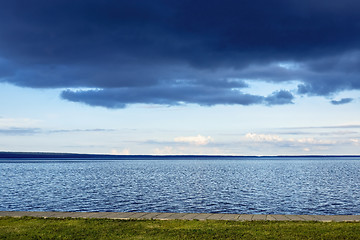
[{"x": 4, "y": 154}]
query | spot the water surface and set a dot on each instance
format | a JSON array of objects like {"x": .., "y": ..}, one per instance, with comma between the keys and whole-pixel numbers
[{"x": 244, "y": 185}]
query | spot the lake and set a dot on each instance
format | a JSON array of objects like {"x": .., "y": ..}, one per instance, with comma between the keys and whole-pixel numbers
[{"x": 273, "y": 185}]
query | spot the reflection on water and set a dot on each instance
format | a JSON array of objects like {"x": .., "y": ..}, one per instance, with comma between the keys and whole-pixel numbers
[{"x": 267, "y": 186}]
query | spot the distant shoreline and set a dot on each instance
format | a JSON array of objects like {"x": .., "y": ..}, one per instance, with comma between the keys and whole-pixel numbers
[{"x": 46, "y": 155}]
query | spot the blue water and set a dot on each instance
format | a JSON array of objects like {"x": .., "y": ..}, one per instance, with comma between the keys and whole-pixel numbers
[{"x": 244, "y": 185}]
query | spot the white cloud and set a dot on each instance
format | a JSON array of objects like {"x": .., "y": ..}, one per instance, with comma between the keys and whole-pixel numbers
[
  {"x": 188, "y": 150},
  {"x": 195, "y": 140},
  {"x": 355, "y": 141},
  {"x": 122, "y": 152},
  {"x": 164, "y": 151},
  {"x": 315, "y": 141},
  {"x": 268, "y": 138},
  {"x": 263, "y": 137}
]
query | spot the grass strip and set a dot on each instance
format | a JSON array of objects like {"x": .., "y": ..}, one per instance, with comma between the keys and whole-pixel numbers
[{"x": 70, "y": 228}]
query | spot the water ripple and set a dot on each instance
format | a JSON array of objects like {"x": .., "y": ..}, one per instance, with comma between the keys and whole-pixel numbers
[{"x": 227, "y": 186}]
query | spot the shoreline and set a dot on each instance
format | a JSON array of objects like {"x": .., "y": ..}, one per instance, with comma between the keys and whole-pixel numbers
[{"x": 183, "y": 216}]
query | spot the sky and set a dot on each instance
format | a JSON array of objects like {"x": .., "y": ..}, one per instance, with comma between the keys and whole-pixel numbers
[{"x": 230, "y": 77}]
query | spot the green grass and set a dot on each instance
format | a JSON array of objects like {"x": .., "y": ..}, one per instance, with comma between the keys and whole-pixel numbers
[{"x": 52, "y": 228}]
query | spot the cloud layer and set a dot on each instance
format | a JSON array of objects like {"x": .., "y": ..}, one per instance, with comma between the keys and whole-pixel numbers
[
  {"x": 197, "y": 140},
  {"x": 174, "y": 52}
]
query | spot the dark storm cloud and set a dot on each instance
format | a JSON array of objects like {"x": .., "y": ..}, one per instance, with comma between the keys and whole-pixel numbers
[
  {"x": 176, "y": 95},
  {"x": 6, "y": 69},
  {"x": 141, "y": 51},
  {"x": 119, "y": 98},
  {"x": 280, "y": 98},
  {"x": 342, "y": 101}
]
